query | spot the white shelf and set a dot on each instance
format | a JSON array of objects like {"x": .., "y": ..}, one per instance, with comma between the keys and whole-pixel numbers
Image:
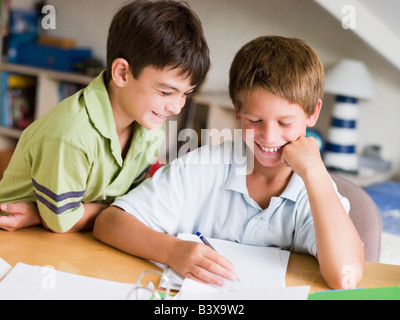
[
  {"x": 47, "y": 85},
  {"x": 10, "y": 132},
  {"x": 39, "y": 72}
]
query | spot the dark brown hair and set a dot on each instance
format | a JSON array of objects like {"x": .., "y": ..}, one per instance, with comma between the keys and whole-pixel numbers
[
  {"x": 161, "y": 34},
  {"x": 286, "y": 67}
]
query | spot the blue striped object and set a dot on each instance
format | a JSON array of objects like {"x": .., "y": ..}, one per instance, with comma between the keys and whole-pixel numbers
[
  {"x": 340, "y": 123},
  {"x": 346, "y": 99},
  {"x": 44, "y": 195},
  {"x": 339, "y": 148},
  {"x": 340, "y": 152}
]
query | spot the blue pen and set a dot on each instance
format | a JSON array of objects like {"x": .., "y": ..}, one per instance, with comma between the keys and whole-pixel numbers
[{"x": 205, "y": 241}]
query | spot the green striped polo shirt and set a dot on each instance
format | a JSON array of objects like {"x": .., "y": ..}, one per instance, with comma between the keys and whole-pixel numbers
[{"x": 72, "y": 155}]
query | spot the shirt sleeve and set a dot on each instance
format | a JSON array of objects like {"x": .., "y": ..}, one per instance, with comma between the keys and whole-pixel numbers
[
  {"x": 159, "y": 201},
  {"x": 59, "y": 173},
  {"x": 305, "y": 240}
]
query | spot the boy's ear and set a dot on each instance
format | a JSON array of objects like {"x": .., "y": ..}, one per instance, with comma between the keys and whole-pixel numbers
[
  {"x": 119, "y": 72},
  {"x": 237, "y": 114},
  {"x": 312, "y": 119}
]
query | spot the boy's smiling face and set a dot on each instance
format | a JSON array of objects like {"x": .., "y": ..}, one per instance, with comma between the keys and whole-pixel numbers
[
  {"x": 154, "y": 96},
  {"x": 273, "y": 122}
]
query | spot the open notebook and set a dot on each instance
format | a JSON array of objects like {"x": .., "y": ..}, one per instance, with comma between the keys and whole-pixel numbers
[
  {"x": 27, "y": 282},
  {"x": 255, "y": 266}
]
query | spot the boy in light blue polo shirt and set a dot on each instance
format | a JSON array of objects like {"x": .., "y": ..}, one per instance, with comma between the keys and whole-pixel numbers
[{"x": 280, "y": 195}]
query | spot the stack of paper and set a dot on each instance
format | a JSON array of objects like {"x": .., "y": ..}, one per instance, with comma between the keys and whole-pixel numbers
[
  {"x": 4, "y": 268},
  {"x": 26, "y": 282},
  {"x": 193, "y": 290},
  {"x": 256, "y": 267}
]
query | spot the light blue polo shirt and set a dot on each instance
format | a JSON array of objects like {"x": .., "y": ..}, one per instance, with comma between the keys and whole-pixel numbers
[{"x": 206, "y": 191}]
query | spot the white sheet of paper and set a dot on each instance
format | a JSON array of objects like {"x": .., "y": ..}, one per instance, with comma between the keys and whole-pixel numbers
[
  {"x": 193, "y": 290},
  {"x": 4, "y": 268},
  {"x": 255, "y": 266},
  {"x": 26, "y": 282}
]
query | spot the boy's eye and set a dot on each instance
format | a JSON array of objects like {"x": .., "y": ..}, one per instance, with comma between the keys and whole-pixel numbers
[
  {"x": 285, "y": 124},
  {"x": 166, "y": 93},
  {"x": 254, "y": 121}
]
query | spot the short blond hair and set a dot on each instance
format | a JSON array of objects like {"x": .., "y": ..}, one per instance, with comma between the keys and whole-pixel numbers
[{"x": 286, "y": 67}]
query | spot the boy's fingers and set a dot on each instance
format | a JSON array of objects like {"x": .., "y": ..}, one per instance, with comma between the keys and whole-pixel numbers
[
  {"x": 218, "y": 265},
  {"x": 17, "y": 215},
  {"x": 200, "y": 262},
  {"x": 220, "y": 260},
  {"x": 203, "y": 276},
  {"x": 18, "y": 207},
  {"x": 9, "y": 223},
  {"x": 3, "y": 207},
  {"x": 10, "y": 207}
]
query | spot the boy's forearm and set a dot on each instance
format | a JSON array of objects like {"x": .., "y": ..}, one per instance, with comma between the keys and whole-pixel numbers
[
  {"x": 339, "y": 248},
  {"x": 92, "y": 210},
  {"x": 123, "y": 231},
  {"x": 188, "y": 258}
]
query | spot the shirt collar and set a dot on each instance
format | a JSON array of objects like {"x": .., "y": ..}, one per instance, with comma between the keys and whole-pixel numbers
[
  {"x": 237, "y": 173},
  {"x": 293, "y": 188},
  {"x": 99, "y": 109},
  {"x": 100, "y": 113},
  {"x": 98, "y": 105}
]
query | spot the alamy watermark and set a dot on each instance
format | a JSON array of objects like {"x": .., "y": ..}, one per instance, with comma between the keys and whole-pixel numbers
[
  {"x": 48, "y": 20},
  {"x": 349, "y": 277},
  {"x": 49, "y": 278},
  {"x": 349, "y": 17},
  {"x": 177, "y": 144},
  {"x": 49, "y": 17}
]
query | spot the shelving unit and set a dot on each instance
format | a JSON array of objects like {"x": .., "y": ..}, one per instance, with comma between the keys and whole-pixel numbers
[
  {"x": 28, "y": 92},
  {"x": 47, "y": 89}
]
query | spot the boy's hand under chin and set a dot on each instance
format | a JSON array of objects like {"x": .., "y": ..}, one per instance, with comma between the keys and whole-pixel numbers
[{"x": 302, "y": 156}]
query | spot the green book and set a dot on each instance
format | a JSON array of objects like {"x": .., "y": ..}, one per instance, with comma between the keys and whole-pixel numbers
[{"x": 376, "y": 293}]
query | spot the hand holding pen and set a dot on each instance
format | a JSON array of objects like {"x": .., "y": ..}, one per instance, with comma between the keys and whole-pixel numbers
[
  {"x": 200, "y": 262},
  {"x": 207, "y": 243}
]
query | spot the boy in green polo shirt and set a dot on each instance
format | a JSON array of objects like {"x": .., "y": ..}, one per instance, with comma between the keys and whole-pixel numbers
[{"x": 98, "y": 143}]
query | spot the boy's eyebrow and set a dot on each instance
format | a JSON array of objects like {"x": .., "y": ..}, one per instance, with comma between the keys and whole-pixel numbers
[
  {"x": 289, "y": 116},
  {"x": 249, "y": 114},
  {"x": 168, "y": 86}
]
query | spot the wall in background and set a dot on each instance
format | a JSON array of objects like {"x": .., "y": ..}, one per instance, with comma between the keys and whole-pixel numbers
[{"x": 228, "y": 24}]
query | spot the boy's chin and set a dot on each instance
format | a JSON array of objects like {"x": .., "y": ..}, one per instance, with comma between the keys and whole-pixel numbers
[
  {"x": 155, "y": 127},
  {"x": 152, "y": 126},
  {"x": 268, "y": 162}
]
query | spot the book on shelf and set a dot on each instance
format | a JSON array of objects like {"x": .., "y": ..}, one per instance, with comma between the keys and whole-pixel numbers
[{"x": 17, "y": 100}]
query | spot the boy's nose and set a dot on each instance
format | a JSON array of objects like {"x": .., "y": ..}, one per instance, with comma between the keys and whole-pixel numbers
[
  {"x": 176, "y": 106},
  {"x": 269, "y": 132}
]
